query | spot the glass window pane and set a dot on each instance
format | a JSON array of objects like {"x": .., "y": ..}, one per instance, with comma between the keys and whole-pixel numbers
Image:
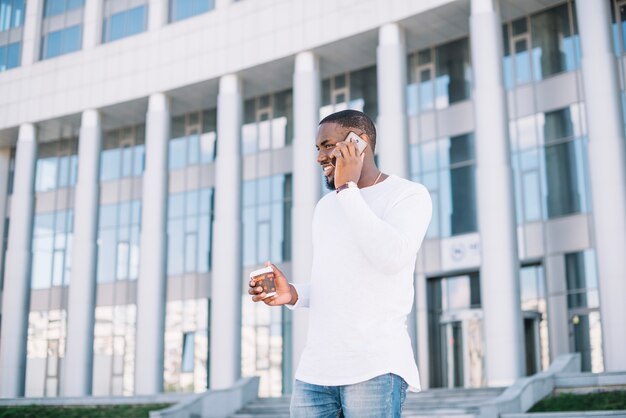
[
  {"x": 191, "y": 251},
  {"x": 72, "y": 39},
  {"x": 52, "y": 44},
  {"x": 177, "y": 151},
  {"x": 175, "y": 247},
  {"x": 116, "y": 26},
  {"x": 14, "y": 52},
  {"x": 554, "y": 49},
  {"x": 46, "y": 174},
  {"x": 110, "y": 164},
  {"x": 136, "y": 20},
  {"x": 453, "y": 73},
  {"x": 54, "y": 7},
  {"x": 123, "y": 257},
  {"x": 107, "y": 244},
  {"x": 188, "y": 352},
  {"x": 176, "y": 208},
  {"x": 204, "y": 242},
  {"x": 138, "y": 162},
  {"x": 463, "y": 198}
]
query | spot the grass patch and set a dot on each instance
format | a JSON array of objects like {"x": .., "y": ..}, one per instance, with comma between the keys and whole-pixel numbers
[
  {"x": 83, "y": 411},
  {"x": 599, "y": 401}
]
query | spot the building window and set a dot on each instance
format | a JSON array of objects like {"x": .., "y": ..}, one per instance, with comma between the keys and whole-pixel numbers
[
  {"x": 267, "y": 220},
  {"x": 118, "y": 241},
  {"x": 57, "y": 165},
  {"x": 447, "y": 168},
  {"x": 52, "y": 249},
  {"x": 11, "y": 29},
  {"x": 123, "y": 153},
  {"x": 62, "y": 27},
  {"x": 268, "y": 123},
  {"x": 124, "y": 18},
  {"x": 618, "y": 11},
  {"x": 193, "y": 139},
  {"x": 439, "y": 76},
  {"x": 541, "y": 45},
  {"x": 47, "y": 332},
  {"x": 187, "y": 343},
  {"x": 114, "y": 350},
  {"x": 189, "y": 232},
  {"x": 183, "y": 9},
  {"x": 583, "y": 307},
  {"x": 550, "y": 164},
  {"x": 355, "y": 90}
]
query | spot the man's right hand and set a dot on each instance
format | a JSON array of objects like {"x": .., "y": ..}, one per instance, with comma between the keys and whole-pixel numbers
[{"x": 286, "y": 294}]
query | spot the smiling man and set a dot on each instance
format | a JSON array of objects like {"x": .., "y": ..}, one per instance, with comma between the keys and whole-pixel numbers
[{"x": 358, "y": 360}]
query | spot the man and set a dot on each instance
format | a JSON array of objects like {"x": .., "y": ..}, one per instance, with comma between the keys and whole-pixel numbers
[{"x": 358, "y": 360}]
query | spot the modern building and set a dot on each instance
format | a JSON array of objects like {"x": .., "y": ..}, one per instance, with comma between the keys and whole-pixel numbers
[{"x": 153, "y": 153}]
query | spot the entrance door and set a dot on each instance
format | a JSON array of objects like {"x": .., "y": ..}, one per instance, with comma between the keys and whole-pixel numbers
[
  {"x": 531, "y": 342},
  {"x": 461, "y": 360}
]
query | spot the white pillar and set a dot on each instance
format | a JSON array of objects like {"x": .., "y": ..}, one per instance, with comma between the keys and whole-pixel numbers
[
  {"x": 5, "y": 159},
  {"x": 306, "y": 183},
  {"x": 16, "y": 294},
  {"x": 82, "y": 289},
  {"x": 606, "y": 169},
  {"x": 158, "y": 14},
  {"x": 226, "y": 291},
  {"x": 392, "y": 149},
  {"x": 496, "y": 218},
  {"x": 220, "y": 4},
  {"x": 151, "y": 286},
  {"x": 92, "y": 23},
  {"x": 31, "y": 37}
]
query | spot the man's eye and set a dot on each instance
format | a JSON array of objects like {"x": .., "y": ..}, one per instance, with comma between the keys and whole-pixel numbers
[{"x": 329, "y": 146}]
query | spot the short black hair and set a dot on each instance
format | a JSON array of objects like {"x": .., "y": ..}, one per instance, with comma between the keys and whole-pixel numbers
[{"x": 354, "y": 119}]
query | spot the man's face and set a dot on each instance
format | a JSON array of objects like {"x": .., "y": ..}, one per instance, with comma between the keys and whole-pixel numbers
[{"x": 328, "y": 135}]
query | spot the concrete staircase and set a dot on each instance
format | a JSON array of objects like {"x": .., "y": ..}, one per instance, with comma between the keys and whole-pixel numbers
[{"x": 441, "y": 403}]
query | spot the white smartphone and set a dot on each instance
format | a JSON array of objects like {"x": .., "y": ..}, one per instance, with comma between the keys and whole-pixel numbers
[
  {"x": 265, "y": 278},
  {"x": 360, "y": 142}
]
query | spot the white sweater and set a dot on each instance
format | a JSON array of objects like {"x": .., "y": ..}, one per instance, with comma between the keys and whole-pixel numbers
[{"x": 365, "y": 243}]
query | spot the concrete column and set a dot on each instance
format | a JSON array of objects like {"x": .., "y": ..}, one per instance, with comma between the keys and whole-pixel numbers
[
  {"x": 151, "y": 286},
  {"x": 606, "y": 168},
  {"x": 16, "y": 294},
  {"x": 92, "y": 23},
  {"x": 393, "y": 148},
  {"x": 158, "y": 14},
  {"x": 31, "y": 37},
  {"x": 5, "y": 159},
  {"x": 226, "y": 291},
  {"x": 82, "y": 289},
  {"x": 306, "y": 183},
  {"x": 503, "y": 324},
  {"x": 220, "y": 4}
]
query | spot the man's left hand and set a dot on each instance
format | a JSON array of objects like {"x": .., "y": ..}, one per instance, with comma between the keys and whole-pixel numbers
[{"x": 349, "y": 163}]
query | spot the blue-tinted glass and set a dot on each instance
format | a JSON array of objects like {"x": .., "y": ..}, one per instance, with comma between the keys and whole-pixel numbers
[
  {"x": 71, "y": 39},
  {"x": 191, "y": 251},
  {"x": 207, "y": 147},
  {"x": 192, "y": 202},
  {"x": 205, "y": 200},
  {"x": 127, "y": 161},
  {"x": 181, "y": 9},
  {"x": 193, "y": 147},
  {"x": 124, "y": 213},
  {"x": 135, "y": 20},
  {"x": 44, "y": 224},
  {"x": 13, "y": 55},
  {"x": 249, "y": 193},
  {"x": 5, "y": 14},
  {"x": 204, "y": 242},
  {"x": 135, "y": 211},
  {"x": 53, "y": 44},
  {"x": 46, "y": 178},
  {"x": 178, "y": 148},
  {"x": 191, "y": 223},
  {"x": 249, "y": 236},
  {"x": 3, "y": 58},
  {"x": 110, "y": 164},
  {"x": 522, "y": 62},
  {"x": 554, "y": 49},
  {"x": 263, "y": 242},
  {"x": 116, "y": 26},
  {"x": 54, "y": 7},
  {"x": 176, "y": 208},
  {"x": 175, "y": 247},
  {"x": 277, "y": 232},
  {"x": 134, "y": 253},
  {"x": 264, "y": 190},
  {"x": 41, "y": 270},
  {"x": 64, "y": 171},
  {"x": 18, "y": 13},
  {"x": 108, "y": 216},
  {"x": 75, "y": 4},
  {"x": 188, "y": 352},
  {"x": 411, "y": 99},
  {"x": 73, "y": 169},
  {"x": 139, "y": 160}
]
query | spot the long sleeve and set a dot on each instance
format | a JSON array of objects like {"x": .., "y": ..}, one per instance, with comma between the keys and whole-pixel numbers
[
  {"x": 304, "y": 291},
  {"x": 390, "y": 243}
]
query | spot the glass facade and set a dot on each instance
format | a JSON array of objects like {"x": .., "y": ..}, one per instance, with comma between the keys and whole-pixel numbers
[
  {"x": 52, "y": 249},
  {"x": 57, "y": 165},
  {"x": 47, "y": 332},
  {"x": 583, "y": 308},
  {"x": 439, "y": 77},
  {"x": 193, "y": 139},
  {"x": 118, "y": 241},
  {"x": 62, "y": 27},
  {"x": 11, "y": 28},
  {"x": 618, "y": 11},
  {"x": 123, "y": 153},
  {"x": 353, "y": 90},
  {"x": 183, "y": 9},
  {"x": 124, "y": 18},
  {"x": 189, "y": 232},
  {"x": 114, "y": 349},
  {"x": 447, "y": 168},
  {"x": 187, "y": 343},
  {"x": 541, "y": 45},
  {"x": 266, "y": 332},
  {"x": 268, "y": 123},
  {"x": 550, "y": 164}
]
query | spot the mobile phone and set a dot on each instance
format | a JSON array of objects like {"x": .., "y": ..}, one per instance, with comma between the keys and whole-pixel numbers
[
  {"x": 265, "y": 278},
  {"x": 359, "y": 142}
]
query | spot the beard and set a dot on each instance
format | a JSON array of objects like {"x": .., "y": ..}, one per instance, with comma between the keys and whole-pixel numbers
[{"x": 330, "y": 182}]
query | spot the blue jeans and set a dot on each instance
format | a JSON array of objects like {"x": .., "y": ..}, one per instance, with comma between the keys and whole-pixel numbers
[{"x": 380, "y": 397}]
